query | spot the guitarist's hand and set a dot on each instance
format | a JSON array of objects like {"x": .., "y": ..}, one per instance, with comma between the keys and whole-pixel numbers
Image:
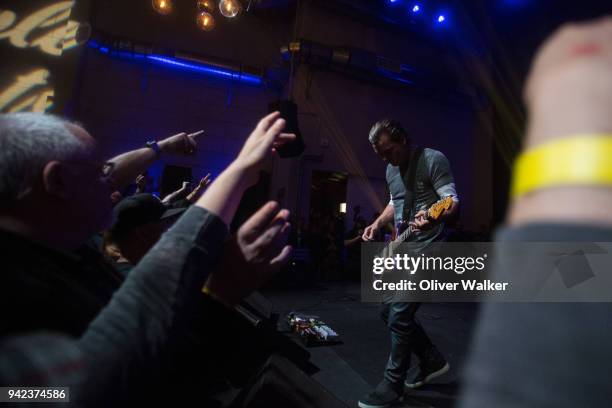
[
  {"x": 370, "y": 232},
  {"x": 421, "y": 222}
]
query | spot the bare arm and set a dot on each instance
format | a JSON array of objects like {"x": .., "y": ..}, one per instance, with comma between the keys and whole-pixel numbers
[
  {"x": 176, "y": 195},
  {"x": 352, "y": 241},
  {"x": 128, "y": 166},
  {"x": 385, "y": 218}
]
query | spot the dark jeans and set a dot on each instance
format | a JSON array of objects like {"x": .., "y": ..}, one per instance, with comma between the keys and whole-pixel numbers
[{"x": 407, "y": 336}]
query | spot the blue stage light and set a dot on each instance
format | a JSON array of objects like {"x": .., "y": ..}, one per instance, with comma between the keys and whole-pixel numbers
[
  {"x": 441, "y": 18},
  {"x": 416, "y": 8}
]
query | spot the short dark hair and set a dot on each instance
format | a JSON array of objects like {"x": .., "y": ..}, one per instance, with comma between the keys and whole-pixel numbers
[{"x": 391, "y": 127}]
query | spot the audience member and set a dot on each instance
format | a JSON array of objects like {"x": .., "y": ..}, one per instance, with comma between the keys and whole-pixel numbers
[
  {"x": 555, "y": 354},
  {"x": 55, "y": 191},
  {"x": 185, "y": 196},
  {"x": 139, "y": 222},
  {"x": 155, "y": 305}
]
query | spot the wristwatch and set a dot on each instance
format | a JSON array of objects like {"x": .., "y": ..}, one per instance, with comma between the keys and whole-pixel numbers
[{"x": 152, "y": 144}]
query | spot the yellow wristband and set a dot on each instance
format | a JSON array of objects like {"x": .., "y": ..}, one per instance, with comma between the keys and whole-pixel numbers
[{"x": 575, "y": 160}]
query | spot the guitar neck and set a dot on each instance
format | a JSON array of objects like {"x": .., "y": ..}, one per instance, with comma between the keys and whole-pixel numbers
[
  {"x": 402, "y": 237},
  {"x": 433, "y": 213}
]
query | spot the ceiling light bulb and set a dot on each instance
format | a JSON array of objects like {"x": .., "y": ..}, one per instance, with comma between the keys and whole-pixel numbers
[
  {"x": 205, "y": 21},
  {"x": 206, "y": 5},
  {"x": 230, "y": 8},
  {"x": 162, "y": 6}
]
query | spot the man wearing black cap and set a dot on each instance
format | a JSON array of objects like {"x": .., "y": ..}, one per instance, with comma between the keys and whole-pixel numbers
[{"x": 139, "y": 222}]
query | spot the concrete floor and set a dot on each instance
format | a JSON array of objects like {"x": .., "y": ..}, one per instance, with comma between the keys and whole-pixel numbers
[{"x": 351, "y": 369}]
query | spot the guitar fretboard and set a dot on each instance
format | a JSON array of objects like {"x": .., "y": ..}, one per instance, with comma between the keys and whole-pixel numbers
[{"x": 402, "y": 237}]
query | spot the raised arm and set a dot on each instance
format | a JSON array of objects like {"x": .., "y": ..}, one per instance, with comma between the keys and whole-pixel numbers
[
  {"x": 129, "y": 165},
  {"x": 129, "y": 340},
  {"x": 199, "y": 190}
]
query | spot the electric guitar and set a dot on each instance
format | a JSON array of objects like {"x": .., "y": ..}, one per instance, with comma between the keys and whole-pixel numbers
[{"x": 433, "y": 213}]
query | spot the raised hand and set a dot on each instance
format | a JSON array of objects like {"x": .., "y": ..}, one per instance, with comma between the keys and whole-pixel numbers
[
  {"x": 141, "y": 184},
  {"x": 252, "y": 256},
  {"x": 205, "y": 181},
  {"x": 370, "y": 232},
  {"x": 197, "y": 192},
  {"x": 263, "y": 141},
  {"x": 181, "y": 143}
]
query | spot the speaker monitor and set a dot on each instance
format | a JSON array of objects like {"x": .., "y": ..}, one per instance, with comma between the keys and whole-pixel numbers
[{"x": 288, "y": 110}]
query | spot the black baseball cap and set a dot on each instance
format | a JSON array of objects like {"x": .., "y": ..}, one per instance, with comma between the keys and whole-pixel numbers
[{"x": 138, "y": 210}]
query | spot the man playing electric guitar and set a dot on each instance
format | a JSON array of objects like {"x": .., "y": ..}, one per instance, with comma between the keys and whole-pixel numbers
[{"x": 417, "y": 179}]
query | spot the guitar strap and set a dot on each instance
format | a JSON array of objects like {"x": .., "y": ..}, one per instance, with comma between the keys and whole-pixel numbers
[{"x": 409, "y": 183}]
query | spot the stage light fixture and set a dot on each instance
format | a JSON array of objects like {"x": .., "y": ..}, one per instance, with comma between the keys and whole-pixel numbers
[
  {"x": 205, "y": 21},
  {"x": 441, "y": 18},
  {"x": 230, "y": 8},
  {"x": 163, "y": 7},
  {"x": 206, "y": 5},
  {"x": 416, "y": 8}
]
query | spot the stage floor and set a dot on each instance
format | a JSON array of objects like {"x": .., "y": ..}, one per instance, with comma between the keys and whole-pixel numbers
[{"x": 351, "y": 369}]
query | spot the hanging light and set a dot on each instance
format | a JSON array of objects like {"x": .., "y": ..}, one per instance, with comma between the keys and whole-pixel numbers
[
  {"x": 205, "y": 21},
  {"x": 230, "y": 8},
  {"x": 206, "y": 5},
  {"x": 162, "y": 6}
]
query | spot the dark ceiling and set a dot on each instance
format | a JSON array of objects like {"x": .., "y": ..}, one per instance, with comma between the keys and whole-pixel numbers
[
  {"x": 515, "y": 28},
  {"x": 509, "y": 31}
]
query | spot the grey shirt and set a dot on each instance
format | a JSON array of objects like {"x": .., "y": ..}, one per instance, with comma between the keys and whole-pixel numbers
[
  {"x": 542, "y": 355},
  {"x": 433, "y": 180}
]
